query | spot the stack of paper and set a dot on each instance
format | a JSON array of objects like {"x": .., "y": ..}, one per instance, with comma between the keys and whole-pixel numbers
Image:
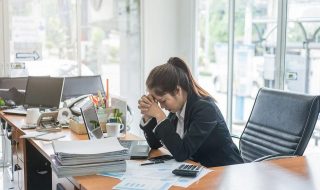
[
  {"x": 75, "y": 158},
  {"x": 87, "y": 169}
]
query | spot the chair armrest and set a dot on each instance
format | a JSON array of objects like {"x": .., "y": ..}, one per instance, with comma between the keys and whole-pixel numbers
[{"x": 274, "y": 157}]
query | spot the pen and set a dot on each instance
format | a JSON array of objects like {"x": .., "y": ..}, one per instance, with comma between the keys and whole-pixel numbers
[{"x": 154, "y": 162}]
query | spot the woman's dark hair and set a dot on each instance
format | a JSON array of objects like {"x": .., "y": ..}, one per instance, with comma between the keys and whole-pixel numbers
[{"x": 165, "y": 78}]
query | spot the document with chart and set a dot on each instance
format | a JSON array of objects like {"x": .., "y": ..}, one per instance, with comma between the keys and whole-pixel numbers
[{"x": 162, "y": 172}]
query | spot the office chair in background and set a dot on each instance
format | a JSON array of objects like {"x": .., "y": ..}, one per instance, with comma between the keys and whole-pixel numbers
[
  {"x": 82, "y": 85},
  {"x": 280, "y": 124},
  {"x": 13, "y": 89},
  {"x": 19, "y": 83}
]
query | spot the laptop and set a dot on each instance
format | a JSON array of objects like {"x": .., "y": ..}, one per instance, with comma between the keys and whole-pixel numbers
[
  {"x": 41, "y": 92},
  {"x": 16, "y": 111},
  {"x": 138, "y": 149}
]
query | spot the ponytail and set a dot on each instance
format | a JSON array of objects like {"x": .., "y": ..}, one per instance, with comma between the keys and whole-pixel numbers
[
  {"x": 177, "y": 73},
  {"x": 195, "y": 87}
]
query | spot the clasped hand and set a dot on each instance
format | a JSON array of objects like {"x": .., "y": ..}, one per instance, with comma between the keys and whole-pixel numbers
[{"x": 149, "y": 107}]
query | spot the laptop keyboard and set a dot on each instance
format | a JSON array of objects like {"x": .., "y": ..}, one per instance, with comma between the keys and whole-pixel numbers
[
  {"x": 126, "y": 144},
  {"x": 16, "y": 111}
]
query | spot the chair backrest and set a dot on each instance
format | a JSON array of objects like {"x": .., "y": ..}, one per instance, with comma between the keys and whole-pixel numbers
[
  {"x": 20, "y": 83},
  {"x": 13, "y": 88},
  {"x": 82, "y": 85},
  {"x": 280, "y": 123},
  {"x": 14, "y": 95}
]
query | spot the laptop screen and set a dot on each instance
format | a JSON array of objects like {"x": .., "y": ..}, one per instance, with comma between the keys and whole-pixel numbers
[
  {"x": 137, "y": 149},
  {"x": 91, "y": 121},
  {"x": 44, "y": 92}
]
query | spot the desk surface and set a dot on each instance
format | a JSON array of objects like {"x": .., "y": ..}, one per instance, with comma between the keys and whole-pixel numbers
[
  {"x": 290, "y": 173},
  {"x": 45, "y": 147}
]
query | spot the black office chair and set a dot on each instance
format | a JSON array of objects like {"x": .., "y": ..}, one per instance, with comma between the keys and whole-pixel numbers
[
  {"x": 280, "y": 124},
  {"x": 13, "y": 89},
  {"x": 82, "y": 85},
  {"x": 13, "y": 94}
]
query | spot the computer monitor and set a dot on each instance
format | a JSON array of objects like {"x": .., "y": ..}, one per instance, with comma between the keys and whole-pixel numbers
[
  {"x": 43, "y": 92},
  {"x": 82, "y": 85}
]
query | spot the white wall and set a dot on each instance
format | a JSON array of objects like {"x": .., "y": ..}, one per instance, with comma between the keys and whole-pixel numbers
[
  {"x": 4, "y": 38},
  {"x": 168, "y": 27},
  {"x": 1, "y": 40}
]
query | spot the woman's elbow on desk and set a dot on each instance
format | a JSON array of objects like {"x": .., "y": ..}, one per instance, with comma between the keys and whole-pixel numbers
[{"x": 180, "y": 157}]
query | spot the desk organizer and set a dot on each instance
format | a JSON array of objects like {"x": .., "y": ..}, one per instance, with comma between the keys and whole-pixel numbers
[{"x": 80, "y": 129}]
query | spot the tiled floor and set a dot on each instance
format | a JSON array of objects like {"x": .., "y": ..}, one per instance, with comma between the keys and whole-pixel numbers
[{"x": 6, "y": 183}]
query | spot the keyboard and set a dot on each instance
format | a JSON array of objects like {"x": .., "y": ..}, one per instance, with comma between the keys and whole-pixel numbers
[
  {"x": 48, "y": 125},
  {"x": 16, "y": 111},
  {"x": 138, "y": 149}
]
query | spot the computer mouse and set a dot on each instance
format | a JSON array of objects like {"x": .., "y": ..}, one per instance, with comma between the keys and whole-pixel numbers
[{"x": 10, "y": 103}]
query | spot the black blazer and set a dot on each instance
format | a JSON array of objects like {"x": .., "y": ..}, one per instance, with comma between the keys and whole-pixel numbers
[{"x": 206, "y": 137}]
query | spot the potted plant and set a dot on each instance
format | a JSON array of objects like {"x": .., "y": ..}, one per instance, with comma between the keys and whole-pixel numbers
[
  {"x": 95, "y": 124},
  {"x": 117, "y": 115}
]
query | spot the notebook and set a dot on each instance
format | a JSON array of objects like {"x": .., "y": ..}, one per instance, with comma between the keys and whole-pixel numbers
[{"x": 138, "y": 149}]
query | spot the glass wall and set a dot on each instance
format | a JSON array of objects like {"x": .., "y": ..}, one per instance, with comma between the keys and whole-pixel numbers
[
  {"x": 254, "y": 59},
  {"x": 212, "y": 49},
  {"x": 254, "y": 55},
  {"x": 42, "y": 38},
  {"x": 302, "y": 65},
  {"x": 110, "y": 41},
  {"x": 70, "y": 38},
  {"x": 302, "y": 50}
]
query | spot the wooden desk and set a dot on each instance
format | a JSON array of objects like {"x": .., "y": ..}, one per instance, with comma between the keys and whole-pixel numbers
[
  {"x": 277, "y": 174},
  {"x": 33, "y": 156}
]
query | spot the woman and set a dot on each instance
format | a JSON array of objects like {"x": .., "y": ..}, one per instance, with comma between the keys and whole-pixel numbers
[{"x": 195, "y": 128}]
